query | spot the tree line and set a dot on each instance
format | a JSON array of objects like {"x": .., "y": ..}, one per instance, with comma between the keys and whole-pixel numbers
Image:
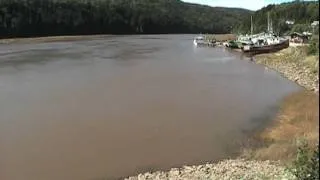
[
  {"x": 303, "y": 13},
  {"x": 27, "y": 18}
]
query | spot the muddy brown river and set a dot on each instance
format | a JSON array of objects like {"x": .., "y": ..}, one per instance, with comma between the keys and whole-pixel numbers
[{"x": 120, "y": 105}]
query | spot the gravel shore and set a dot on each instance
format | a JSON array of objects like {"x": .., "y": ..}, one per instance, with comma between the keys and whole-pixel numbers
[{"x": 237, "y": 169}]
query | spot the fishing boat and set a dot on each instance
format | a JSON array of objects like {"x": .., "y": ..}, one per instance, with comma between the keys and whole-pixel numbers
[
  {"x": 242, "y": 40},
  {"x": 266, "y": 42},
  {"x": 238, "y": 44},
  {"x": 266, "y": 46}
]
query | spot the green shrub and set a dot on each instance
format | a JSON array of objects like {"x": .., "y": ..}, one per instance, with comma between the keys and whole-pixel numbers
[
  {"x": 313, "y": 47},
  {"x": 306, "y": 164}
]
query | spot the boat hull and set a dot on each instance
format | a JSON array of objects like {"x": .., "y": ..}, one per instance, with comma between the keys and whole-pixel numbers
[{"x": 267, "y": 48}]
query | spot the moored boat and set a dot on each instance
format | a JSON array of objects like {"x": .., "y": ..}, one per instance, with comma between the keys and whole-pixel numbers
[
  {"x": 201, "y": 41},
  {"x": 262, "y": 42},
  {"x": 265, "y": 47},
  {"x": 237, "y": 44}
]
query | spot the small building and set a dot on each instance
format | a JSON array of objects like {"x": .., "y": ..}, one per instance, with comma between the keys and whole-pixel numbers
[
  {"x": 307, "y": 33},
  {"x": 299, "y": 37}
]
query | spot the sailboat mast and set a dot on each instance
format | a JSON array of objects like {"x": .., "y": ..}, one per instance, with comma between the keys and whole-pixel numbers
[
  {"x": 268, "y": 22},
  {"x": 271, "y": 28},
  {"x": 251, "y": 26}
]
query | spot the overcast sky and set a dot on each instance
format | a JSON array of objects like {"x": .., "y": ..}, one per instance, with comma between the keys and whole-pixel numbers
[{"x": 247, "y": 4}]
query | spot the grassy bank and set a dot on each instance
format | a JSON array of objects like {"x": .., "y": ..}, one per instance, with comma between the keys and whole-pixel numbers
[{"x": 296, "y": 123}]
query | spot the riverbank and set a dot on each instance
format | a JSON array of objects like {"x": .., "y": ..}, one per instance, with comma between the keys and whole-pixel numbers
[
  {"x": 238, "y": 169},
  {"x": 298, "y": 119},
  {"x": 294, "y": 64},
  {"x": 296, "y": 122}
]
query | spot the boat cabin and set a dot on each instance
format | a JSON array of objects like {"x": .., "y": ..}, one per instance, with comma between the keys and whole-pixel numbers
[{"x": 199, "y": 38}]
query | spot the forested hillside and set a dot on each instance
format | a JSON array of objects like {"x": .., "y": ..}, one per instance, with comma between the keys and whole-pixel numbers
[
  {"x": 71, "y": 17},
  {"x": 303, "y": 13}
]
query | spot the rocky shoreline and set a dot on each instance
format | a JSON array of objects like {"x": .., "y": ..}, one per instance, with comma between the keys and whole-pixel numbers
[
  {"x": 238, "y": 169},
  {"x": 295, "y": 65}
]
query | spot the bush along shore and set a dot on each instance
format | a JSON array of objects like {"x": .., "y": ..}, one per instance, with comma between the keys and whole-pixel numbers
[{"x": 290, "y": 149}]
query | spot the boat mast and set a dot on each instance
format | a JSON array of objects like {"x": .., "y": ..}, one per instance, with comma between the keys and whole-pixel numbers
[
  {"x": 251, "y": 26},
  {"x": 270, "y": 29},
  {"x": 268, "y": 22}
]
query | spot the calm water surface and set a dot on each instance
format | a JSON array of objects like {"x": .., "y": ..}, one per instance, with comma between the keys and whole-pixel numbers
[{"x": 113, "y": 107}]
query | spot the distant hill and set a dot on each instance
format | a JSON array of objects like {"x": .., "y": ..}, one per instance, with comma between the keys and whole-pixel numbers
[
  {"x": 73, "y": 17},
  {"x": 303, "y": 13}
]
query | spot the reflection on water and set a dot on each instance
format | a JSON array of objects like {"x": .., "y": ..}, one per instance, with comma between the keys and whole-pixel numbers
[{"x": 113, "y": 107}]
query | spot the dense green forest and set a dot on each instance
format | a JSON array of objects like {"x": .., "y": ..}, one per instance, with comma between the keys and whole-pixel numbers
[
  {"x": 23, "y": 18},
  {"x": 303, "y": 13}
]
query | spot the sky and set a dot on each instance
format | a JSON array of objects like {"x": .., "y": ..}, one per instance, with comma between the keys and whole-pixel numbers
[{"x": 246, "y": 4}]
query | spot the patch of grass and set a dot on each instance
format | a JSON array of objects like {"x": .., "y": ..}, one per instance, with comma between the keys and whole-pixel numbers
[
  {"x": 312, "y": 62},
  {"x": 313, "y": 47},
  {"x": 297, "y": 119},
  {"x": 289, "y": 55}
]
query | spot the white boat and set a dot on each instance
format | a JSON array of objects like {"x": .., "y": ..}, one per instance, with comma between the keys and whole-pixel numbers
[
  {"x": 198, "y": 40},
  {"x": 201, "y": 41}
]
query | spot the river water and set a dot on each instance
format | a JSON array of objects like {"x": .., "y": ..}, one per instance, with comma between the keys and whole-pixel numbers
[{"x": 119, "y": 105}]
